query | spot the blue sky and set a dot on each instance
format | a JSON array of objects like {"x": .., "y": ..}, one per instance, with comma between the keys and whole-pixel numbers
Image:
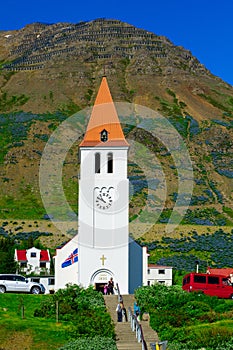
[{"x": 205, "y": 27}]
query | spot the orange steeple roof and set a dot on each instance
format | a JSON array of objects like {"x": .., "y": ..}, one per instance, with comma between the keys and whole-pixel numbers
[{"x": 104, "y": 128}]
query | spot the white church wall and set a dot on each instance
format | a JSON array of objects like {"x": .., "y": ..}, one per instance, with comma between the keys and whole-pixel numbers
[
  {"x": 88, "y": 162},
  {"x": 144, "y": 265},
  {"x": 66, "y": 274},
  {"x": 98, "y": 265},
  {"x": 103, "y": 232}
]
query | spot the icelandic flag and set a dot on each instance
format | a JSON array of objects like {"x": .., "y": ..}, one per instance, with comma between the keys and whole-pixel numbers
[{"x": 72, "y": 258}]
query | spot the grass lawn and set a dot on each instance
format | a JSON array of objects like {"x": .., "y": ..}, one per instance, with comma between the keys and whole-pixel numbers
[{"x": 20, "y": 331}]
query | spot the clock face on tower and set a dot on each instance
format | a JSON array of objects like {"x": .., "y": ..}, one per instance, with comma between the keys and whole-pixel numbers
[{"x": 104, "y": 199}]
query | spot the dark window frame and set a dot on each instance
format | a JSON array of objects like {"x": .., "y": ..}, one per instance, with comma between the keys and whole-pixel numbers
[
  {"x": 23, "y": 264},
  {"x": 42, "y": 264},
  {"x": 110, "y": 162},
  {"x": 51, "y": 281},
  {"x": 97, "y": 163},
  {"x": 199, "y": 279},
  {"x": 35, "y": 279},
  {"x": 213, "y": 280}
]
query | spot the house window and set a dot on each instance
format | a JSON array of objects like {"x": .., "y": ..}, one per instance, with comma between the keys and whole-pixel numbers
[
  {"x": 51, "y": 281},
  {"x": 33, "y": 255},
  {"x": 42, "y": 264},
  {"x": 161, "y": 282},
  {"x": 97, "y": 163},
  {"x": 110, "y": 163},
  {"x": 161, "y": 272},
  {"x": 148, "y": 271},
  {"x": 23, "y": 264},
  {"x": 148, "y": 283}
]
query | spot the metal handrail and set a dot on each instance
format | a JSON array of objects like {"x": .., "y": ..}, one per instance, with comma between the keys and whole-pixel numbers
[
  {"x": 137, "y": 328},
  {"x": 120, "y": 299}
]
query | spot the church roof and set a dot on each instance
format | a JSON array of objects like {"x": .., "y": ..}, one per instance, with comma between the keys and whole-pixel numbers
[{"x": 104, "y": 118}]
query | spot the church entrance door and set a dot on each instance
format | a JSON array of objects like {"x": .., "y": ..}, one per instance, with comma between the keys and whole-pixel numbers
[
  {"x": 99, "y": 287},
  {"x": 100, "y": 278}
]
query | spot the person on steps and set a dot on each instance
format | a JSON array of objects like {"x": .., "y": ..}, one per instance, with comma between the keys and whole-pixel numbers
[
  {"x": 124, "y": 314},
  {"x": 111, "y": 286},
  {"x": 119, "y": 312}
]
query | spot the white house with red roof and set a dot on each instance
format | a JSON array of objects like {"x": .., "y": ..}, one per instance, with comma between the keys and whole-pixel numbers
[{"x": 33, "y": 260}]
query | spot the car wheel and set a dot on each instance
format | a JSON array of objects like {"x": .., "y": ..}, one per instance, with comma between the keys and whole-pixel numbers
[
  {"x": 35, "y": 290},
  {"x": 2, "y": 289}
]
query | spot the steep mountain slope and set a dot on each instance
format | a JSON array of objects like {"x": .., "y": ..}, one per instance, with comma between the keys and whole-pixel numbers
[
  {"x": 49, "y": 72},
  {"x": 54, "y": 65}
]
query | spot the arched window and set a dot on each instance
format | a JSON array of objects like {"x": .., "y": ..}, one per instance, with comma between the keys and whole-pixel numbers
[
  {"x": 97, "y": 163},
  {"x": 110, "y": 163}
]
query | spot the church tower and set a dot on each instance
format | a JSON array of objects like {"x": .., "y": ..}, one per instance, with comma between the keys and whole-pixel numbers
[{"x": 103, "y": 234}]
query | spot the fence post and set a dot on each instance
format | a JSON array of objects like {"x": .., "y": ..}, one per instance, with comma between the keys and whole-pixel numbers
[{"x": 57, "y": 311}]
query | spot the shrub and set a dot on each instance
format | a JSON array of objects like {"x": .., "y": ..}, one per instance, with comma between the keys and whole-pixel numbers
[
  {"x": 187, "y": 318},
  {"x": 196, "y": 308},
  {"x": 85, "y": 309},
  {"x": 97, "y": 343}
]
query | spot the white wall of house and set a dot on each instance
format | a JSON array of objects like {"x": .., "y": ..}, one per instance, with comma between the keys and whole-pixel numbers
[
  {"x": 159, "y": 274},
  {"x": 33, "y": 259}
]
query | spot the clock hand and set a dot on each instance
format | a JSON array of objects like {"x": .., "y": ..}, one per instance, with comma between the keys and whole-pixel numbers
[{"x": 100, "y": 198}]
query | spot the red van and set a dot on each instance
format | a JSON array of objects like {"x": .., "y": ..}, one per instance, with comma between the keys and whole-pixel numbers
[{"x": 215, "y": 285}]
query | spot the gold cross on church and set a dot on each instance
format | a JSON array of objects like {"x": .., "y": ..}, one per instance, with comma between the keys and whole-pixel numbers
[{"x": 103, "y": 258}]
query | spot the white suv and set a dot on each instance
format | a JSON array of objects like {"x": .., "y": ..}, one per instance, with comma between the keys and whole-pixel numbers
[{"x": 19, "y": 284}]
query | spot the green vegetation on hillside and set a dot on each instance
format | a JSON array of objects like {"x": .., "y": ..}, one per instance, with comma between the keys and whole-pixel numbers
[
  {"x": 188, "y": 320},
  {"x": 19, "y": 327},
  {"x": 15, "y": 127},
  {"x": 86, "y": 309},
  {"x": 209, "y": 249},
  {"x": 7, "y": 251},
  {"x": 98, "y": 343},
  {"x": 24, "y": 135},
  {"x": 8, "y": 103},
  {"x": 35, "y": 320}
]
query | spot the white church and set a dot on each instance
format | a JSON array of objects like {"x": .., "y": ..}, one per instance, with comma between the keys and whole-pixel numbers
[{"x": 102, "y": 248}]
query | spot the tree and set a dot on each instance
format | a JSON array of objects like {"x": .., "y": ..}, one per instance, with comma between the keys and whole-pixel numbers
[{"x": 7, "y": 262}]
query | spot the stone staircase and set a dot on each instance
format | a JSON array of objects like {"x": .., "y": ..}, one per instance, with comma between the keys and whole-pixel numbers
[{"x": 125, "y": 338}]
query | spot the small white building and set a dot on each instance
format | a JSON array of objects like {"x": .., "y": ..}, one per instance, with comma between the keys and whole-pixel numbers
[
  {"x": 33, "y": 260},
  {"x": 47, "y": 281},
  {"x": 159, "y": 274}
]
